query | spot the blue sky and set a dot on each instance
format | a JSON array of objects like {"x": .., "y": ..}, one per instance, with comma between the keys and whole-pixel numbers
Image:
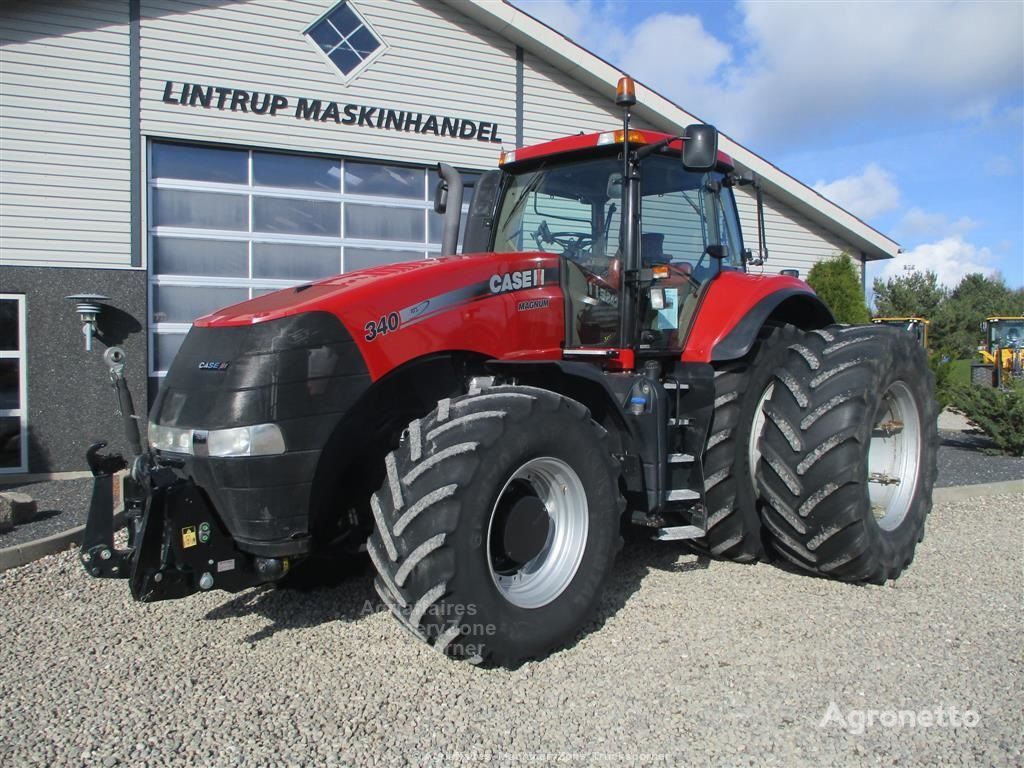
[{"x": 908, "y": 114}]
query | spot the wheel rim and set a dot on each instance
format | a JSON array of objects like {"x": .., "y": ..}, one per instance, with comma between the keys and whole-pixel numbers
[
  {"x": 894, "y": 456},
  {"x": 542, "y": 487},
  {"x": 756, "y": 430}
]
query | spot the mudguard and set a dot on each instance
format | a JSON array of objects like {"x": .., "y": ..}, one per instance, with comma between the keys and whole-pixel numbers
[{"x": 737, "y": 306}]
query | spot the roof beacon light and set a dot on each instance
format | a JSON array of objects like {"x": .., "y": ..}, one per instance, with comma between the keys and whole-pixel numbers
[{"x": 625, "y": 92}]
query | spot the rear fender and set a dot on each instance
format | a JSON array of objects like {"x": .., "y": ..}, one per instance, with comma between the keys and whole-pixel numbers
[{"x": 736, "y": 307}]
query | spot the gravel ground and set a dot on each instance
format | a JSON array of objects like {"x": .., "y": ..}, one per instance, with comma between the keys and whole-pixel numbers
[
  {"x": 963, "y": 461},
  {"x": 695, "y": 662},
  {"x": 61, "y": 504}
]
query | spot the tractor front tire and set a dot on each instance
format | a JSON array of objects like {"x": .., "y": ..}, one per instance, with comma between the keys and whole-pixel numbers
[
  {"x": 497, "y": 524},
  {"x": 848, "y": 454},
  {"x": 734, "y": 523}
]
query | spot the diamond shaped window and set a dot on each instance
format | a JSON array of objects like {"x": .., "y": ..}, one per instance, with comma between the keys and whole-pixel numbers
[{"x": 344, "y": 38}]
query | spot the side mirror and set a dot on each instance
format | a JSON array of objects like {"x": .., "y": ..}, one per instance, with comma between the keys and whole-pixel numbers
[
  {"x": 441, "y": 196},
  {"x": 700, "y": 147},
  {"x": 716, "y": 251}
]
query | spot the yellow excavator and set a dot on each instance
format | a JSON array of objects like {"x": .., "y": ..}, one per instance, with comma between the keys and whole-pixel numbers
[
  {"x": 915, "y": 325},
  {"x": 1002, "y": 354}
]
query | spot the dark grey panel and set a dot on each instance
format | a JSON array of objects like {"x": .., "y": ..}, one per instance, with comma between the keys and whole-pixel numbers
[{"x": 70, "y": 401}]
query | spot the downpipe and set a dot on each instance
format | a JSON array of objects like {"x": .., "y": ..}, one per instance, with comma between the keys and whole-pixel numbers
[{"x": 176, "y": 544}]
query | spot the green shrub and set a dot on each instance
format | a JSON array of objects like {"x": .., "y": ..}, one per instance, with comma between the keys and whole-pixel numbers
[
  {"x": 999, "y": 413},
  {"x": 945, "y": 379},
  {"x": 837, "y": 283}
]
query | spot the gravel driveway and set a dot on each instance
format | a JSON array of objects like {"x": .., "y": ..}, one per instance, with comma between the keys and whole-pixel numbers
[{"x": 695, "y": 663}]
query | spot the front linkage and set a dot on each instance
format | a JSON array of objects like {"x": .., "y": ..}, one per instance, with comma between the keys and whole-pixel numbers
[{"x": 176, "y": 544}]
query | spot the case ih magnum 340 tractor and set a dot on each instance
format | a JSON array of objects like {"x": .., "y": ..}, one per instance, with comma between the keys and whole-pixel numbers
[{"x": 486, "y": 424}]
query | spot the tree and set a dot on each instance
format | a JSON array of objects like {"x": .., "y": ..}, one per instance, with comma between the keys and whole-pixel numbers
[
  {"x": 918, "y": 294},
  {"x": 956, "y": 329},
  {"x": 837, "y": 283}
]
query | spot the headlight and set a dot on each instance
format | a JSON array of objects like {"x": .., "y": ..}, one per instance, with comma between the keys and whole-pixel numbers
[{"x": 257, "y": 440}]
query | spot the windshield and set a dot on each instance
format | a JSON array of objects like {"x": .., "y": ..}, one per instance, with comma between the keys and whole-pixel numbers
[
  {"x": 1007, "y": 333},
  {"x": 574, "y": 209}
]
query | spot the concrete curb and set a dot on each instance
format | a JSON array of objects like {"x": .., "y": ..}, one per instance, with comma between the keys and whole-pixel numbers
[{"x": 23, "y": 554}]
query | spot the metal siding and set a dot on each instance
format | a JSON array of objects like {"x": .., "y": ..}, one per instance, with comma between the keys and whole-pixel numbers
[
  {"x": 437, "y": 62},
  {"x": 794, "y": 242},
  {"x": 64, "y": 97}
]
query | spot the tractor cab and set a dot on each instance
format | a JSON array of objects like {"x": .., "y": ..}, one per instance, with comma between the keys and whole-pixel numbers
[
  {"x": 918, "y": 326},
  {"x": 567, "y": 199},
  {"x": 642, "y": 222}
]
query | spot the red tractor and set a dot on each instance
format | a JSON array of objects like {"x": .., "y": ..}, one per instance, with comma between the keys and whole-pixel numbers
[{"x": 485, "y": 424}]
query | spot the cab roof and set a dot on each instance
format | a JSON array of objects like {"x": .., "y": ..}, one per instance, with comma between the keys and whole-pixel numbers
[{"x": 589, "y": 141}]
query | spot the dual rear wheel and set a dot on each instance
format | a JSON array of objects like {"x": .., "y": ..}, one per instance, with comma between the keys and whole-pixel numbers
[{"x": 498, "y": 521}]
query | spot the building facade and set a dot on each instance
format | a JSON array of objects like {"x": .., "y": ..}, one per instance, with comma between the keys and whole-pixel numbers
[{"x": 176, "y": 156}]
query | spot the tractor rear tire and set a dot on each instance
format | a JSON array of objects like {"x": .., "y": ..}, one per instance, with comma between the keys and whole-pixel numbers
[
  {"x": 497, "y": 525},
  {"x": 735, "y": 531},
  {"x": 848, "y": 456}
]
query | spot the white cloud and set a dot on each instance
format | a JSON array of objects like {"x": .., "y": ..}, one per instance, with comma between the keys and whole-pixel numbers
[
  {"x": 918, "y": 224},
  {"x": 867, "y": 194},
  {"x": 804, "y": 69},
  {"x": 950, "y": 258}
]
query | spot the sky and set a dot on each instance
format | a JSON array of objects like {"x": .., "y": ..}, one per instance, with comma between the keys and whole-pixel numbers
[{"x": 908, "y": 114}]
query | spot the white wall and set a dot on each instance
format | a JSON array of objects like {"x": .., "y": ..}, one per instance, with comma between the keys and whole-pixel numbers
[
  {"x": 437, "y": 62},
  {"x": 794, "y": 242},
  {"x": 64, "y": 151}
]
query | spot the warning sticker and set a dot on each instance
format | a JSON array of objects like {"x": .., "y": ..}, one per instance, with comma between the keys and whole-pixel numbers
[
  {"x": 226, "y": 565},
  {"x": 188, "y": 537}
]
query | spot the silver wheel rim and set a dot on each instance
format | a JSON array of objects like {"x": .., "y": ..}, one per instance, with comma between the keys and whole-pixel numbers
[
  {"x": 894, "y": 456},
  {"x": 756, "y": 430},
  {"x": 546, "y": 576}
]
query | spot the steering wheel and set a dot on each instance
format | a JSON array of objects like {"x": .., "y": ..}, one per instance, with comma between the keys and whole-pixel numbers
[{"x": 571, "y": 243}]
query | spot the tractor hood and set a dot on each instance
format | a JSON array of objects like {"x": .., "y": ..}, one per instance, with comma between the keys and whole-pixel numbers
[
  {"x": 491, "y": 304},
  {"x": 415, "y": 280}
]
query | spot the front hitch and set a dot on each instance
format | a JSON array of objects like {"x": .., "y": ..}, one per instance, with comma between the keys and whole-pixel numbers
[
  {"x": 177, "y": 545},
  {"x": 98, "y": 554}
]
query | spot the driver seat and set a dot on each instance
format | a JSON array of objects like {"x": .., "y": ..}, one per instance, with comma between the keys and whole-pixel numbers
[{"x": 652, "y": 249}]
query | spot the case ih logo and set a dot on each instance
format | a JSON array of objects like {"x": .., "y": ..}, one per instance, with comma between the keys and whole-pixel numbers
[
  {"x": 213, "y": 365},
  {"x": 516, "y": 281}
]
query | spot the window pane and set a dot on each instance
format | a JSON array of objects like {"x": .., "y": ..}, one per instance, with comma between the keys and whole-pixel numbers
[
  {"x": 374, "y": 222},
  {"x": 298, "y": 217},
  {"x": 294, "y": 262},
  {"x": 179, "y": 161},
  {"x": 186, "y": 256},
  {"x": 435, "y": 224},
  {"x": 201, "y": 210},
  {"x": 296, "y": 171},
  {"x": 359, "y": 258},
  {"x": 183, "y": 304},
  {"x": 165, "y": 348},
  {"x": 345, "y": 58},
  {"x": 10, "y": 442},
  {"x": 8, "y": 325},
  {"x": 10, "y": 389},
  {"x": 325, "y": 36},
  {"x": 344, "y": 19},
  {"x": 364, "y": 42},
  {"x": 368, "y": 179}
]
